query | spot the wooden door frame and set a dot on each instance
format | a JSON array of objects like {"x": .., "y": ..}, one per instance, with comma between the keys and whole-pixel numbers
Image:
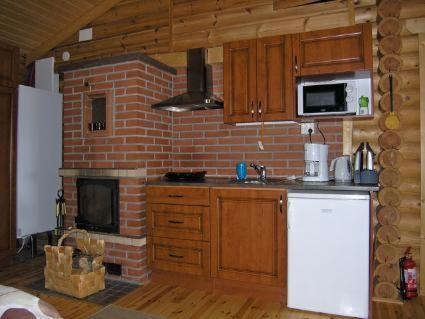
[{"x": 421, "y": 39}]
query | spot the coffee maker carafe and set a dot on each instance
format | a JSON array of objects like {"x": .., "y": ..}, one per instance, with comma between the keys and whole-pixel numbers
[{"x": 316, "y": 162}]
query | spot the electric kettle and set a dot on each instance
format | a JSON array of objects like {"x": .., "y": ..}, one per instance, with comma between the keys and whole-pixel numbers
[{"x": 342, "y": 167}]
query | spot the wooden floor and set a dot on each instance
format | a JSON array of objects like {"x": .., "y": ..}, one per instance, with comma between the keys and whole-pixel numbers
[{"x": 176, "y": 302}]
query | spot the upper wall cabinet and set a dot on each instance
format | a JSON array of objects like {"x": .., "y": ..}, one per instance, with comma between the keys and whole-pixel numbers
[
  {"x": 258, "y": 83},
  {"x": 337, "y": 50}
]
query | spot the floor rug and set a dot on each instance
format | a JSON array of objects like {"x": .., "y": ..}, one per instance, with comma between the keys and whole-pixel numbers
[
  {"x": 113, "y": 291},
  {"x": 115, "y": 312}
]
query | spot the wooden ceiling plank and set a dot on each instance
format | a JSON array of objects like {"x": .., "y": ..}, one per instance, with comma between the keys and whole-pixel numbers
[
  {"x": 13, "y": 42},
  {"x": 33, "y": 14},
  {"x": 22, "y": 21},
  {"x": 62, "y": 9},
  {"x": 131, "y": 9},
  {"x": 17, "y": 30},
  {"x": 81, "y": 4},
  {"x": 71, "y": 29}
]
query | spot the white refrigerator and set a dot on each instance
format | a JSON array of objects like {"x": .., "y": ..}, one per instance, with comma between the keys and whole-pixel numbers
[
  {"x": 328, "y": 252},
  {"x": 39, "y": 156}
]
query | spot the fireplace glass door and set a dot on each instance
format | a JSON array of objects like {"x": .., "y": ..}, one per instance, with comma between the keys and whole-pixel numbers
[{"x": 98, "y": 204}]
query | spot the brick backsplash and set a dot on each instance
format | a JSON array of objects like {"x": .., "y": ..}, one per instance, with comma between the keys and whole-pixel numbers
[{"x": 202, "y": 142}]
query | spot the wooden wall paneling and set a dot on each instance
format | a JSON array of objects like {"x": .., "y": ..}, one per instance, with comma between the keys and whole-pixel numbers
[
  {"x": 422, "y": 129},
  {"x": 204, "y": 24},
  {"x": 71, "y": 28},
  {"x": 7, "y": 172}
]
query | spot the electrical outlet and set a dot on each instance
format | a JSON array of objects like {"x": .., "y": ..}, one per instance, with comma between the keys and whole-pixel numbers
[{"x": 305, "y": 127}]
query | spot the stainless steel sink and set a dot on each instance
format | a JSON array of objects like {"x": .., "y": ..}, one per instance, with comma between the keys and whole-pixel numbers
[{"x": 256, "y": 181}]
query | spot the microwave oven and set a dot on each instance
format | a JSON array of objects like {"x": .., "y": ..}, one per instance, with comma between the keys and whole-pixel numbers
[{"x": 349, "y": 94}]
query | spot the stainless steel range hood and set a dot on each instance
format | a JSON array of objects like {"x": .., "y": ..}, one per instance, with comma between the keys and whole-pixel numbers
[{"x": 197, "y": 97}]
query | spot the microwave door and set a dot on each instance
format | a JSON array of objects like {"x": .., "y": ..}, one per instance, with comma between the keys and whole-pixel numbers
[{"x": 324, "y": 99}]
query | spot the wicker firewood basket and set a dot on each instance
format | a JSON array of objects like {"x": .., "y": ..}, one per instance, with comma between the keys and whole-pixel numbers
[{"x": 78, "y": 282}]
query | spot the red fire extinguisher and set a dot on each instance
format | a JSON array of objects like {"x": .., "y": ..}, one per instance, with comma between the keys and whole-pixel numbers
[{"x": 408, "y": 288}]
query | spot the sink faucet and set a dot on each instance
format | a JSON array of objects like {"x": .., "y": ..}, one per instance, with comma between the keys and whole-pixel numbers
[{"x": 261, "y": 171}]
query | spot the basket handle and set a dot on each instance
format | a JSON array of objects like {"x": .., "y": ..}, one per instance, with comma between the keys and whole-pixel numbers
[{"x": 64, "y": 236}]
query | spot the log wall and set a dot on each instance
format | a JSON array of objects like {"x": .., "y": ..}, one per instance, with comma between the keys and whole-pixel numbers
[{"x": 409, "y": 223}]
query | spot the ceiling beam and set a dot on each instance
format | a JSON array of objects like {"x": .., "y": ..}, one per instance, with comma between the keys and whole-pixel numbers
[{"x": 70, "y": 29}]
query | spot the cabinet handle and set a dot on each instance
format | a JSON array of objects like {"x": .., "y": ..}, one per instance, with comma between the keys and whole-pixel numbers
[
  {"x": 252, "y": 109},
  {"x": 296, "y": 64},
  {"x": 175, "y": 196},
  {"x": 175, "y": 222},
  {"x": 281, "y": 204},
  {"x": 259, "y": 110},
  {"x": 175, "y": 256}
]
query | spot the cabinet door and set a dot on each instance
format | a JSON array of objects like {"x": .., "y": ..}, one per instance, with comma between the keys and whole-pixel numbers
[
  {"x": 240, "y": 81},
  {"x": 248, "y": 235},
  {"x": 336, "y": 50},
  {"x": 7, "y": 172},
  {"x": 274, "y": 79},
  {"x": 9, "y": 65}
]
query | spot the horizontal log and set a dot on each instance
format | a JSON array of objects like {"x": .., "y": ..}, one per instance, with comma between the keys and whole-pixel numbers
[
  {"x": 387, "y": 254},
  {"x": 409, "y": 168},
  {"x": 410, "y": 238},
  {"x": 389, "y": 121},
  {"x": 390, "y": 139},
  {"x": 388, "y": 234},
  {"x": 410, "y": 200},
  {"x": 390, "y": 177},
  {"x": 390, "y": 158},
  {"x": 387, "y": 215},
  {"x": 410, "y": 223},
  {"x": 389, "y": 26},
  {"x": 409, "y": 44},
  {"x": 387, "y": 272},
  {"x": 389, "y": 8},
  {"x": 385, "y": 101},
  {"x": 409, "y": 116},
  {"x": 384, "y": 82},
  {"x": 412, "y": 9},
  {"x": 390, "y": 63},
  {"x": 410, "y": 185},
  {"x": 386, "y": 290},
  {"x": 410, "y": 99},
  {"x": 390, "y": 44}
]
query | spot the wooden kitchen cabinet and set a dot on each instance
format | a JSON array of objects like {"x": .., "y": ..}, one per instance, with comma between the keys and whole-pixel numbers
[
  {"x": 258, "y": 82},
  {"x": 178, "y": 229},
  {"x": 345, "y": 49},
  {"x": 248, "y": 235}
]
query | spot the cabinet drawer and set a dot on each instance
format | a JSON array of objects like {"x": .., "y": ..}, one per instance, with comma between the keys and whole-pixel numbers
[
  {"x": 178, "y": 221},
  {"x": 178, "y": 195},
  {"x": 192, "y": 257}
]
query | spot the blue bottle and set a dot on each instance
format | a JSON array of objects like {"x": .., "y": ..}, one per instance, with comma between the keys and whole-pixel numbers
[{"x": 241, "y": 171}]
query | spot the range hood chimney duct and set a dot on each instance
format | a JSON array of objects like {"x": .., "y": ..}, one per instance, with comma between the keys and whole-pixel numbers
[{"x": 198, "y": 96}]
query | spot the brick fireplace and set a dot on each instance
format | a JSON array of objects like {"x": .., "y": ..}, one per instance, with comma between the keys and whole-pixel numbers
[
  {"x": 135, "y": 146},
  {"x": 142, "y": 144}
]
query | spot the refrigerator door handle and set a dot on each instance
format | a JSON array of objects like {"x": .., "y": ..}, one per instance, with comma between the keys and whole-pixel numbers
[{"x": 288, "y": 222}]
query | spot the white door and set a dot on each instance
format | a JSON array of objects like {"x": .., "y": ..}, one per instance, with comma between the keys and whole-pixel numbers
[
  {"x": 39, "y": 156},
  {"x": 328, "y": 254}
]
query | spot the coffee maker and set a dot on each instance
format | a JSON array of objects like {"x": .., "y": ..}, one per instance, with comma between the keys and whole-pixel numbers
[{"x": 316, "y": 162}]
